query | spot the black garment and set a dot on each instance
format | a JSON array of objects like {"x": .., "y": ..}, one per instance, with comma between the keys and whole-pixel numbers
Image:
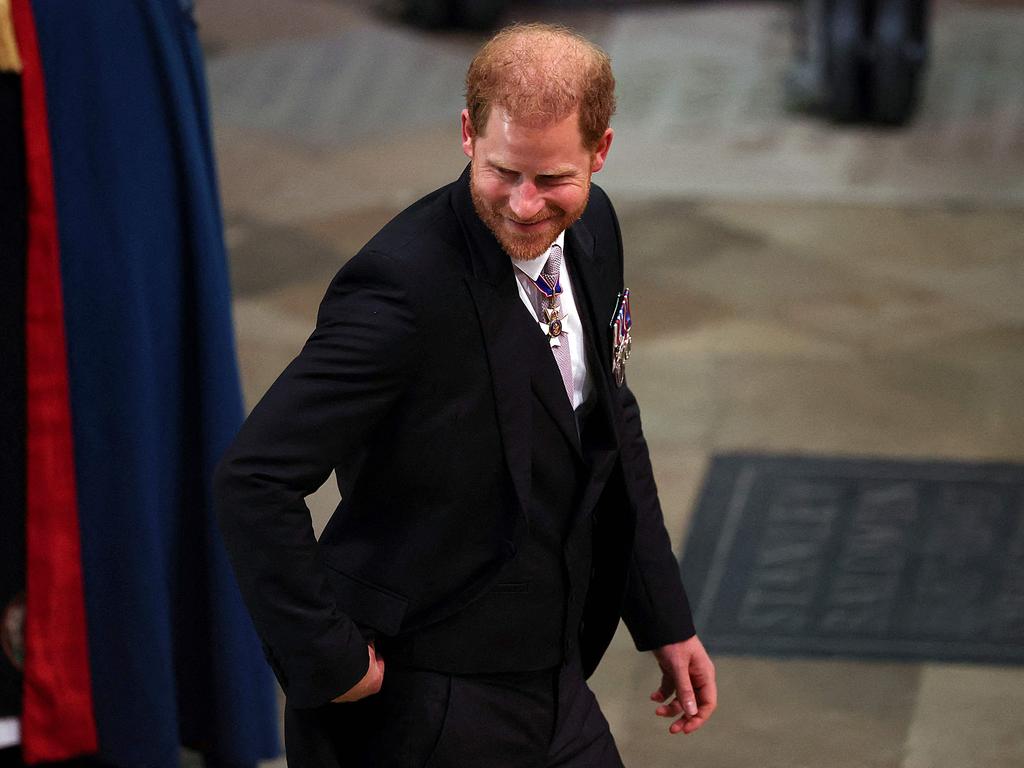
[
  {"x": 425, "y": 719},
  {"x": 418, "y": 390},
  {"x": 530, "y": 618},
  {"x": 13, "y": 228}
]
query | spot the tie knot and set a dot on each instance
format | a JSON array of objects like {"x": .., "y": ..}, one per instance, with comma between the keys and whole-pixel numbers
[{"x": 554, "y": 263}]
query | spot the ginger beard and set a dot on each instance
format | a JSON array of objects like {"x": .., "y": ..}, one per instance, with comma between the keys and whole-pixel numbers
[{"x": 523, "y": 246}]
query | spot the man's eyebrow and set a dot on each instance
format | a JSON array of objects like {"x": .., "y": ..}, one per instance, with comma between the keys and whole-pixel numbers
[
  {"x": 562, "y": 170},
  {"x": 559, "y": 170}
]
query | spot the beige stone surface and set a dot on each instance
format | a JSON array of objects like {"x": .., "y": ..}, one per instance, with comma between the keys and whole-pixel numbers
[
  {"x": 232, "y": 24},
  {"x": 282, "y": 181},
  {"x": 772, "y": 713},
  {"x": 967, "y": 717}
]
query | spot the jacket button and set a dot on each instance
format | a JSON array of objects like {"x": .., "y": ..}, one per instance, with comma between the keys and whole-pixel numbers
[{"x": 510, "y": 548}]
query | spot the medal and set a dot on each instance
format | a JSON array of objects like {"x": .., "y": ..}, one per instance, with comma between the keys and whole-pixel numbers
[
  {"x": 553, "y": 319},
  {"x": 551, "y": 289},
  {"x": 622, "y": 342}
]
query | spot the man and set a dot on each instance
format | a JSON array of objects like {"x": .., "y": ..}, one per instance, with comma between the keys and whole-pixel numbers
[{"x": 499, "y": 512}]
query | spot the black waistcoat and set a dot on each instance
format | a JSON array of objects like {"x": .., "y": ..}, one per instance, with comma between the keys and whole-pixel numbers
[{"x": 530, "y": 618}]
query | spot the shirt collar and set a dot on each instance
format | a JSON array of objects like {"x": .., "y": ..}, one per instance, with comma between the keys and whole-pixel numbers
[{"x": 533, "y": 267}]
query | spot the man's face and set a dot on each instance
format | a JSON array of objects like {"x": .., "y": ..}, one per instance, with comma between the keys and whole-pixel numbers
[{"x": 529, "y": 182}]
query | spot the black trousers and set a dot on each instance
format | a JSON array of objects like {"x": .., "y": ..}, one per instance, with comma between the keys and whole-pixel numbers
[{"x": 425, "y": 719}]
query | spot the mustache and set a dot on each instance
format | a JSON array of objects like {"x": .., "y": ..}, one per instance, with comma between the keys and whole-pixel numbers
[{"x": 544, "y": 215}]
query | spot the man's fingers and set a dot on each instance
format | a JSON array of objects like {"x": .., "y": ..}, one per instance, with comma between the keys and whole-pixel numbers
[
  {"x": 377, "y": 668},
  {"x": 687, "y": 724},
  {"x": 370, "y": 683},
  {"x": 666, "y": 689},
  {"x": 685, "y": 701},
  {"x": 708, "y": 695},
  {"x": 674, "y": 708},
  {"x": 689, "y": 700},
  {"x": 689, "y": 673},
  {"x": 690, "y": 723}
]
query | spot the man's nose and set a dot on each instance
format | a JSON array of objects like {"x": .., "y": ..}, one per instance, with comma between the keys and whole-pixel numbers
[{"x": 525, "y": 202}]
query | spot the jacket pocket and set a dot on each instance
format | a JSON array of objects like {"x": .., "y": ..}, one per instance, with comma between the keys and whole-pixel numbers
[{"x": 366, "y": 603}]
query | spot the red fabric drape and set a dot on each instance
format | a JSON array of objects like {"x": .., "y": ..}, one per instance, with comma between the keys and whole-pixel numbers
[{"x": 57, "y": 709}]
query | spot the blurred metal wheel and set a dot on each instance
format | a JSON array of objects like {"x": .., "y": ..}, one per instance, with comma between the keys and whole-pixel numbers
[
  {"x": 845, "y": 64},
  {"x": 898, "y": 56},
  {"x": 478, "y": 14},
  {"x": 467, "y": 14}
]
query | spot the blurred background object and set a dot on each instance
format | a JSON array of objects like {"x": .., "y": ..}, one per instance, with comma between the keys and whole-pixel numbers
[
  {"x": 854, "y": 60},
  {"x": 120, "y": 365},
  {"x": 468, "y": 14},
  {"x": 859, "y": 60}
]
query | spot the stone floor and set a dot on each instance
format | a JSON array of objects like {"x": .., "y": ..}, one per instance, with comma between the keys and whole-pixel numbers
[{"x": 798, "y": 287}]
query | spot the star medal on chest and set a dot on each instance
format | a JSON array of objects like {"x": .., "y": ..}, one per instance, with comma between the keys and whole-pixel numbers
[
  {"x": 551, "y": 289},
  {"x": 622, "y": 342}
]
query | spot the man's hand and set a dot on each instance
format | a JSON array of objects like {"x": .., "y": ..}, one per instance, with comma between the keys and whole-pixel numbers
[
  {"x": 686, "y": 671},
  {"x": 371, "y": 682}
]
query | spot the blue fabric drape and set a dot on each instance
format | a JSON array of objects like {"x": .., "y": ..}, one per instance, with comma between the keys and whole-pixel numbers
[{"x": 154, "y": 383}]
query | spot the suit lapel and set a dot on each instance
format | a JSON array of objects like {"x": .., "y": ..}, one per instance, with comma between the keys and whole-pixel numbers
[
  {"x": 492, "y": 286},
  {"x": 510, "y": 376},
  {"x": 592, "y": 294}
]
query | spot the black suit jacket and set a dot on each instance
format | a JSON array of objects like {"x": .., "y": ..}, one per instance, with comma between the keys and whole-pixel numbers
[{"x": 415, "y": 387}]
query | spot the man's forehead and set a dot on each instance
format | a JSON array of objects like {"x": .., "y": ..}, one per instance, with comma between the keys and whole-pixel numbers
[
  {"x": 550, "y": 146},
  {"x": 533, "y": 121}
]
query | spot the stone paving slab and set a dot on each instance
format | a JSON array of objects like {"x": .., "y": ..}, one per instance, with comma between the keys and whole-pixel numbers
[{"x": 966, "y": 717}]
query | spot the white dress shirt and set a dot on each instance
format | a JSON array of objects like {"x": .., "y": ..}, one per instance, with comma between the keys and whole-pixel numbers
[
  {"x": 572, "y": 326},
  {"x": 10, "y": 732}
]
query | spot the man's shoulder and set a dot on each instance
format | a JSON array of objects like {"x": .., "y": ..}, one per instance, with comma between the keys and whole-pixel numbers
[
  {"x": 424, "y": 236},
  {"x": 599, "y": 217},
  {"x": 599, "y": 210}
]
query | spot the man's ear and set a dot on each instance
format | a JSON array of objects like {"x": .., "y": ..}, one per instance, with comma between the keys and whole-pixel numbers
[
  {"x": 467, "y": 134},
  {"x": 601, "y": 152}
]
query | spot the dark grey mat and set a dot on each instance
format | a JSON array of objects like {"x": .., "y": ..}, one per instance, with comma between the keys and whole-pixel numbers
[{"x": 861, "y": 558}]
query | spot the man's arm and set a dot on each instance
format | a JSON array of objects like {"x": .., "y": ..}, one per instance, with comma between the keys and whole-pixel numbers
[
  {"x": 656, "y": 610},
  {"x": 317, "y": 416}
]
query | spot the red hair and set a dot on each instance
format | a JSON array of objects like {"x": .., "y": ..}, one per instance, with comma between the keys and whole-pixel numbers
[{"x": 542, "y": 73}]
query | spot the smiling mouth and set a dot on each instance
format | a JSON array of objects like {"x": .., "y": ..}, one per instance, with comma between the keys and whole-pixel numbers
[{"x": 527, "y": 225}]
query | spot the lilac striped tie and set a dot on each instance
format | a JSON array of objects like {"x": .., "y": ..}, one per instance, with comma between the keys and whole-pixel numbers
[{"x": 560, "y": 344}]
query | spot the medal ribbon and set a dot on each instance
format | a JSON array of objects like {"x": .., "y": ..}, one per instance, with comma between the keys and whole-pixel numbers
[{"x": 546, "y": 289}]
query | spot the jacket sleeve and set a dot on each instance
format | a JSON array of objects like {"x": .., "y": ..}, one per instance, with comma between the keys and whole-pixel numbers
[
  {"x": 656, "y": 609},
  {"x": 315, "y": 417}
]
